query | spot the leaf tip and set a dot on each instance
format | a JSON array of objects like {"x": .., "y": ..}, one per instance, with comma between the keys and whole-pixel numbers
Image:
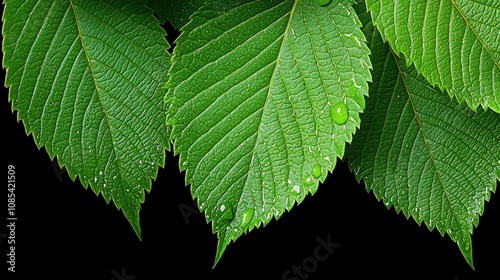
[
  {"x": 466, "y": 250},
  {"x": 138, "y": 232},
  {"x": 221, "y": 247},
  {"x": 135, "y": 223}
]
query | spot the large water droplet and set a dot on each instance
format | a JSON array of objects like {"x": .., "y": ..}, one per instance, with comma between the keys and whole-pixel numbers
[
  {"x": 340, "y": 113},
  {"x": 227, "y": 214},
  {"x": 246, "y": 217},
  {"x": 316, "y": 171}
]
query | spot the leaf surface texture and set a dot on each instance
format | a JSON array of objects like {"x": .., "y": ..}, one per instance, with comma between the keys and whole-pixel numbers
[
  {"x": 454, "y": 44},
  {"x": 86, "y": 80},
  {"x": 251, "y": 93},
  {"x": 422, "y": 153}
]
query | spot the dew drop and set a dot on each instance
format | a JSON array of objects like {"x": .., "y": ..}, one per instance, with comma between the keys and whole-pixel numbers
[
  {"x": 316, "y": 171},
  {"x": 296, "y": 189},
  {"x": 222, "y": 207},
  {"x": 227, "y": 215},
  {"x": 340, "y": 113},
  {"x": 246, "y": 217},
  {"x": 307, "y": 181}
]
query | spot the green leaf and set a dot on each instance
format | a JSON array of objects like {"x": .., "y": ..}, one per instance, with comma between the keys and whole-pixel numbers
[
  {"x": 86, "y": 80},
  {"x": 454, "y": 44},
  {"x": 251, "y": 88},
  {"x": 428, "y": 156}
]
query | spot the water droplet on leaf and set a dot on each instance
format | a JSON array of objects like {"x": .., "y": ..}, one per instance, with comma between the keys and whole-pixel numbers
[
  {"x": 340, "y": 113},
  {"x": 307, "y": 181},
  {"x": 316, "y": 171},
  {"x": 246, "y": 217},
  {"x": 227, "y": 215}
]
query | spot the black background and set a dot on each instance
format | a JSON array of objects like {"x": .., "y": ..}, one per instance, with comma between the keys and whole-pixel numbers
[{"x": 67, "y": 232}]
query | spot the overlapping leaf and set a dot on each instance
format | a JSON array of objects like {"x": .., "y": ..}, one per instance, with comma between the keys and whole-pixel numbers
[
  {"x": 426, "y": 155},
  {"x": 252, "y": 88},
  {"x": 85, "y": 78},
  {"x": 455, "y": 44}
]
